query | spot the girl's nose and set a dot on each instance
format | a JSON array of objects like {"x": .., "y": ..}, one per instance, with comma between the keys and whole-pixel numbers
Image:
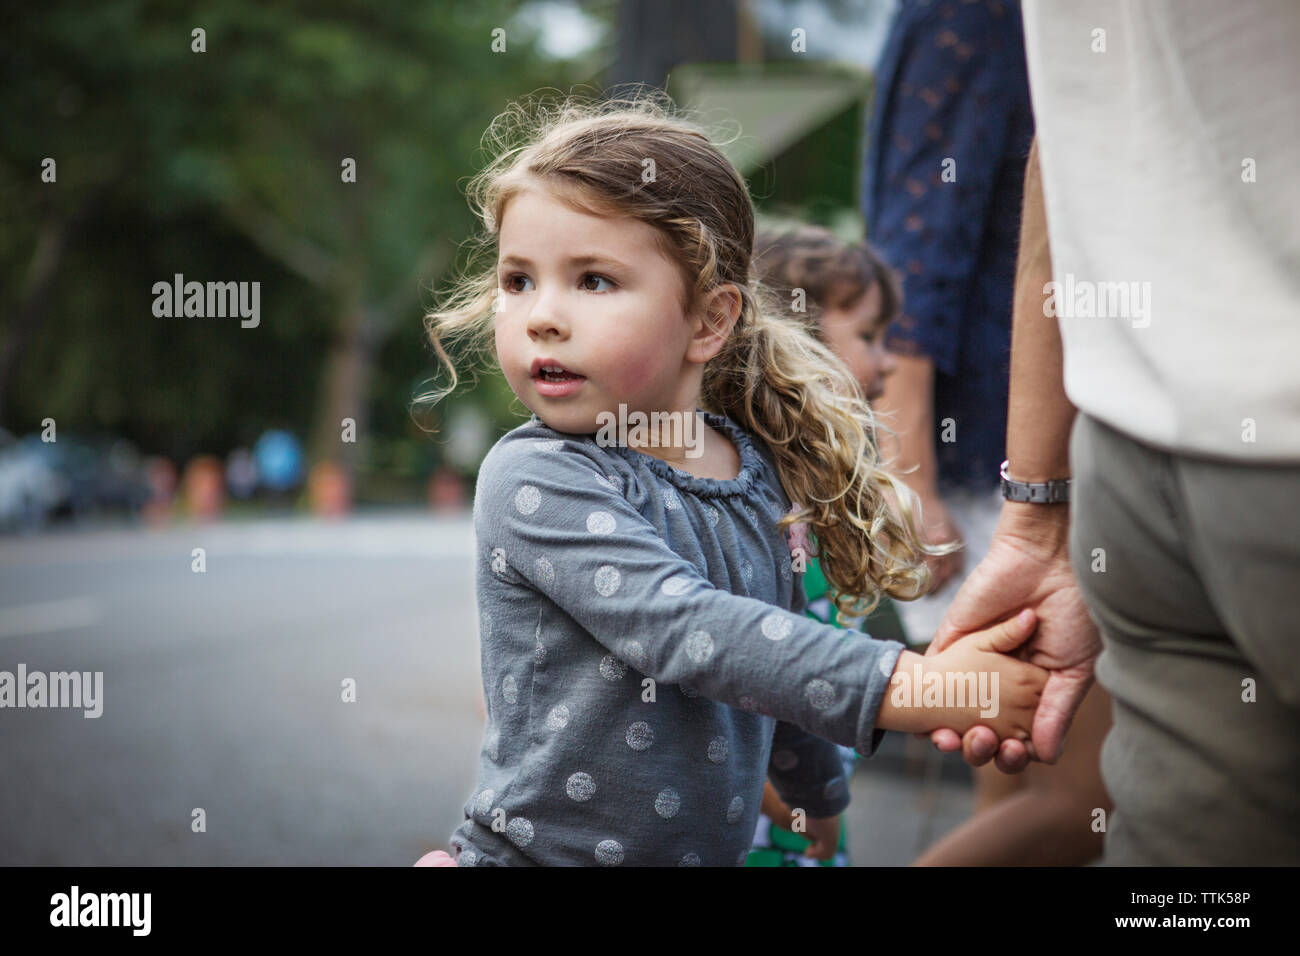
[{"x": 544, "y": 321}]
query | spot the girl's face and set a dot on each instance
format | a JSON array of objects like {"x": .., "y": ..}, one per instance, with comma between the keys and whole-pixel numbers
[
  {"x": 856, "y": 333},
  {"x": 592, "y": 295}
]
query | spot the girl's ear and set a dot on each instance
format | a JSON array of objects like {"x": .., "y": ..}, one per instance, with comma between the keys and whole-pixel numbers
[{"x": 713, "y": 319}]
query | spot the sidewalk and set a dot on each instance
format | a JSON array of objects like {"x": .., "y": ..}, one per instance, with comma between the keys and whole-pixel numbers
[{"x": 904, "y": 799}]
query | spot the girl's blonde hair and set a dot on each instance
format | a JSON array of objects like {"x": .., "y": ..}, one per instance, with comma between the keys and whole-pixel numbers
[{"x": 639, "y": 157}]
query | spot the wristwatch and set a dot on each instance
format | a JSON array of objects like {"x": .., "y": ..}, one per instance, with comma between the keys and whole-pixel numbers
[{"x": 1054, "y": 492}]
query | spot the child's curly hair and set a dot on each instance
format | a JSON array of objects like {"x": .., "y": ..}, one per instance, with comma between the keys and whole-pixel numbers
[
  {"x": 772, "y": 377},
  {"x": 832, "y": 273}
]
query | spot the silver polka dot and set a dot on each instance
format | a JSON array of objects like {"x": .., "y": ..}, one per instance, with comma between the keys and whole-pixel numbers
[
  {"x": 520, "y": 831},
  {"x": 777, "y": 627},
  {"x": 493, "y": 747},
  {"x": 735, "y": 809},
  {"x": 558, "y": 718},
  {"x": 668, "y": 803},
  {"x": 498, "y": 561},
  {"x": 545, "y": 571},
  {"x": 484, "y": 802},
  {"x": 671, "y": 501},
  {"x": 509, "y": 689},
  {"x": 609, "y": 853},
  {"x": 718, "y": 750},
  {"x": 820, "y": 693},
  {"x": 785, "y": 759},
  {"x": 675, "y": 585},
  {"x": 690, "y": 859},
  {"x": 600, "y": 522},
  {"x": 699, "y": 646},
  {"x": 748, "y": 703},
  {"x": 607, "y": 580},
  {"x": 527, "y": 499},
  {"x": 640, "y": 736},
  {"x": 611, "y": 668},
  {"x": 688, "y": 691},
  {"x": 785, "y": 571},
  {"x": 711, "y": 513},
  {"x": 747, "y": 571},
  {"x": 549, "y": 444},
  {"x": 753, "y": 515},
  {"x": 634, "y": 654},
  {"x": 539, "y": 654},
  {"x": 580, "y": 787},
  {"x": 467, "y": 858}
]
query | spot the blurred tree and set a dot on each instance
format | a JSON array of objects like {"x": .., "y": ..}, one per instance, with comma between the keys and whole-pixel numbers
[{"x": 227, "y": 165}]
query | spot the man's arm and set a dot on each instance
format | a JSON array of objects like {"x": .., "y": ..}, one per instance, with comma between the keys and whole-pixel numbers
[{"x": 1039, "y": 415}]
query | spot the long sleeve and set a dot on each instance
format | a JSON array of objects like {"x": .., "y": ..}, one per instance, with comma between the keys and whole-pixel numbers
[{"x": 552, "y": 521}]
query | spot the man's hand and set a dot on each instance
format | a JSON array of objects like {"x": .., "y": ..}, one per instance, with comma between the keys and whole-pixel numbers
[{"x": 1027, "y": 565}]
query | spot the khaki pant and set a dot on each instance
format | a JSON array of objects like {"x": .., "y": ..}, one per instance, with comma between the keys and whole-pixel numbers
[{"x": 1199, "y": 610}]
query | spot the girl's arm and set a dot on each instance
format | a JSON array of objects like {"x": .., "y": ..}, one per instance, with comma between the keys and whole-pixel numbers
[{"x": 553, "y": 522}]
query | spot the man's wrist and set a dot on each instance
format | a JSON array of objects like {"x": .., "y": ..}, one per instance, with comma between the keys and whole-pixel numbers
[{"x": 1046, "y": 527}]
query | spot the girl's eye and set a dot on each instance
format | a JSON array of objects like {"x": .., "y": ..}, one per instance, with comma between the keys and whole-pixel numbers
[
  {"x": 599, "y": 278},
  {"x": 509, "y": 284}
]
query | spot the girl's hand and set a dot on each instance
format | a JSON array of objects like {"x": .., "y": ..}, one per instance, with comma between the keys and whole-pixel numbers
[
  {"x": 824, "y": 832},
  {"x": 436, "y": 858},
  {"x": 1007, "y": 689},
  {"x": 825, "y": 835},
  {"x": 773, "y": 807},
  {"x": 939, "y": 528}
]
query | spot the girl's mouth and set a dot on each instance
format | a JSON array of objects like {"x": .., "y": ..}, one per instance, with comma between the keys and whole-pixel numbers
[
  {"x": 555, "y": 381},
  {"x": 557, "y": 375}
]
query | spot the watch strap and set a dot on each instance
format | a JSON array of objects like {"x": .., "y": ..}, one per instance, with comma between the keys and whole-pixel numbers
[{"x": 1054, "y": 492}]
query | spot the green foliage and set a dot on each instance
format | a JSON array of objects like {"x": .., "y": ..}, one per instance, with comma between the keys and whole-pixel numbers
[{"x": 225, "y": 166}]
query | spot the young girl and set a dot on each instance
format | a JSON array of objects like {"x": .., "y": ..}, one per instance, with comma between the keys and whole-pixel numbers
[{"x": 646, "y": 662}]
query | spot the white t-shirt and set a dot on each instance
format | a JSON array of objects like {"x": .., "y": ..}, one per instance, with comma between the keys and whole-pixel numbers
[{"x": 1169, "y": 145}]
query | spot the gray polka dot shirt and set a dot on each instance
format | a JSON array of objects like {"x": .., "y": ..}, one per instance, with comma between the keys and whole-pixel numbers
[{"x": 646, "y": 662}]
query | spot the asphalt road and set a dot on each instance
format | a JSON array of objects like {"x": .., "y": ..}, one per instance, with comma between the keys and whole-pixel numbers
[{"x": 223, "y": 691}]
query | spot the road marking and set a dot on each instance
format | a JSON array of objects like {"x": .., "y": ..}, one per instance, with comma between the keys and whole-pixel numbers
[{"x": 64, "y": 614}]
